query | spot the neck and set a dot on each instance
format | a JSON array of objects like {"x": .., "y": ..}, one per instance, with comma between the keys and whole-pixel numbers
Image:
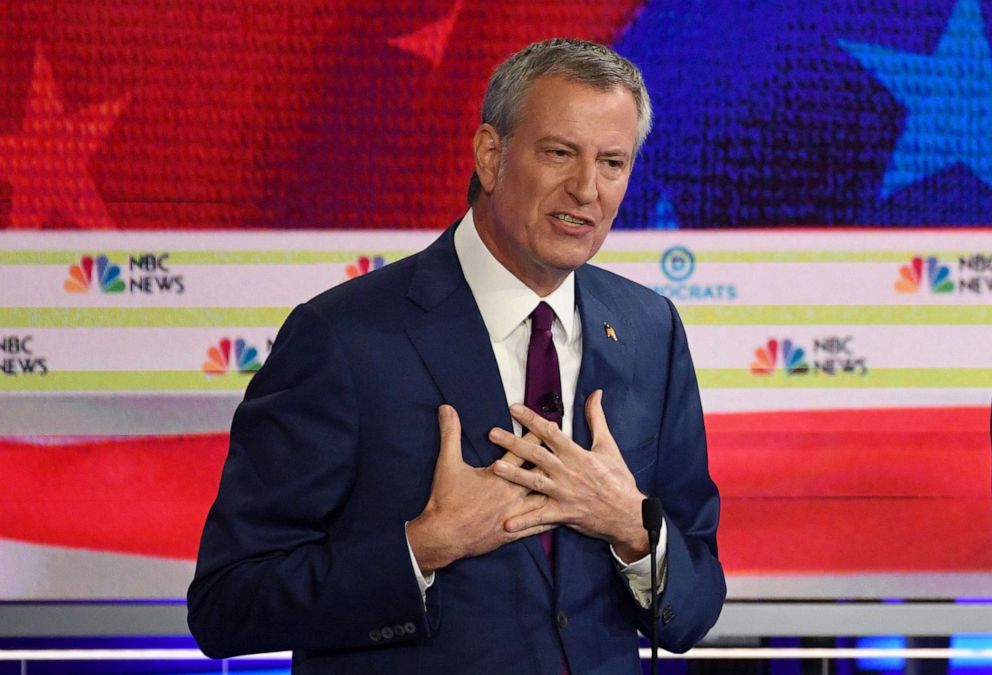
[{"x": 542, "y": 280}]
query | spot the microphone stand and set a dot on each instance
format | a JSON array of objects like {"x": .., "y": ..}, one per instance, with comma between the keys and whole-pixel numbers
[{"x": 652, "y": 516}]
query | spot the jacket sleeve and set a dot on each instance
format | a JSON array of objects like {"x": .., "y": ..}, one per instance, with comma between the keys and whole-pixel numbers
[
  {"x": 273, "y": 572},
  {"x": 695, "y": 589}
]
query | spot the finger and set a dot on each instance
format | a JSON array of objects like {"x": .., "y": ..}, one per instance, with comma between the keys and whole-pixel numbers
[
  {"x": 601, "y": 436},
  {"x": 450, "y": 455},
  {"x": 520, "y": 450},
  {"x": 512, "y": 459},
  {"x": 531, "y": 502},
  {"x": 545, "y": 430},
  {"x": 541, "y": 517},
  {"x": 509, "y": 456},
  {"x": 501, "y": 437},
  {"x": 532, "y": 479},
  {"x": 531, "y": 531}
]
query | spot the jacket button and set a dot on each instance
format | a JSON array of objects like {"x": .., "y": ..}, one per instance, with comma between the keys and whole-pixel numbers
[
  {"x": 562, "y": 619},
  {"x": 375, "y": 635},
  {"x": 387, "y": 633}
]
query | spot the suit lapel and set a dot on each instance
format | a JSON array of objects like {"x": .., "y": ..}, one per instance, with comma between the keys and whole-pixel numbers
[
  {"x": 607, "y": 364},
  {"x": 452, "y": 340}
]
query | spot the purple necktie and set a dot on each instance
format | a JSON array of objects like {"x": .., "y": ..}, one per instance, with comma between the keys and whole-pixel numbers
[
  {"x": 542, "y": 394},
  {"x": 542, "y": 390}
]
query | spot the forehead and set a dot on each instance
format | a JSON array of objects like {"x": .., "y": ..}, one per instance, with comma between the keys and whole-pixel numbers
[{"x": 555, "y": 105}]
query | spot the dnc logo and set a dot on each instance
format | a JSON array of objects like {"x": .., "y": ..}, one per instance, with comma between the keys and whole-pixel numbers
[
  {"x": 766, "y": 358},
  {"x": 678, "y": 264},
  {"x": 219, "y": 357},
  {"x": 938, "y": 276},
  {"x": 108, "y": 275},
  {"x": 364, "y": 265}
]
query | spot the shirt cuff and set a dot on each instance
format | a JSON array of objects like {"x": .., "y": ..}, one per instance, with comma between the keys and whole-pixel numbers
[
  {"x": 638, "y": 573},
  {"x": 423, "y": 582}
]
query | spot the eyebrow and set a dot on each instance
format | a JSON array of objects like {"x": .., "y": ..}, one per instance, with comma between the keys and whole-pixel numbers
[
  {"x": 620, "y": 154},
  {"x": 559, "y": 140}
]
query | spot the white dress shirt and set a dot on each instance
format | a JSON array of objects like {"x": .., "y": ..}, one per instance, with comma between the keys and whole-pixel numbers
[{"x": 506, "y": 304}]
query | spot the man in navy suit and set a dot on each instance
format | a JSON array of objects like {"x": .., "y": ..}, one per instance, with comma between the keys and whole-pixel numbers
[{"x": 387, "y": 502}]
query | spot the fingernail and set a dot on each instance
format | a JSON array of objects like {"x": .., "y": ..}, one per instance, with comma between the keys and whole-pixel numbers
[
  {"x": 499, "y": 466},
  {"x": 443, "y": 412},
  {"x": 517, "y": 409}
]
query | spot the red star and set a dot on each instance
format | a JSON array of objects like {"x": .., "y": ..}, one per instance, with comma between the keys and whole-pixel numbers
[
  {"x": 431, "y": 40},
  {"x": 46, "y": 162}
]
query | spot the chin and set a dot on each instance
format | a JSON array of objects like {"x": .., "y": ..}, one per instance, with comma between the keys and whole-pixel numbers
[{"x": 568, "y": 263}]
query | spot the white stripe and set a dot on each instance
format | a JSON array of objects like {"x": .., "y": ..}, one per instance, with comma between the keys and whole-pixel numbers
[
  {"x": 962, "y": 346},
  {"x": 264, "y": 285},
  {"x": 760, "y": 283},
  {"x": 39, "y": 572},
  {"x": 819, "y": 653},
  {"x": 764, "y": 400},
  {"x": 125, "y": 655},
  {"x": 204, "y": 286},
  {"x": 137, "y": 349},
  {"x": 780, "y": 283},
  {"x": 150, "y": 349},
  {"x": 644, "y": 653}
]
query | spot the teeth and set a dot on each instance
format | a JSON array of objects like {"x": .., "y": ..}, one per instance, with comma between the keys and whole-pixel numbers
[{"x": 564, "y": 217}]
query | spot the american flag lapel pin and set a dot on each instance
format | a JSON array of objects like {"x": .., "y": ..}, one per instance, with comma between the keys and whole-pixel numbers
[{"x": 610, "y": 333}]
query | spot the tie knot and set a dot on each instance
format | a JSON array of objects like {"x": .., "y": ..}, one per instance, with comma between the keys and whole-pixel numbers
[{"x": 542, "y": 317}]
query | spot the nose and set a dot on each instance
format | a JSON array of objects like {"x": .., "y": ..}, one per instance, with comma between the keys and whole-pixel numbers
[{"x": 581, "y": 185}]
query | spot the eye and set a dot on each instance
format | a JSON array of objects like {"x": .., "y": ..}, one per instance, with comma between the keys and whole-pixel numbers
[{"x": 614, "y": 166}]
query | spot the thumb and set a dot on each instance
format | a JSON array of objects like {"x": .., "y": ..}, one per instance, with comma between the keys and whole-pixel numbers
[
  {"x": 450, "y": 455},
  {"x": 601, "y": 436}
]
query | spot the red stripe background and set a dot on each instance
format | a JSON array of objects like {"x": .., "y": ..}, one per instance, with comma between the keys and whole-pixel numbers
[{"x": 804, "y": 492}]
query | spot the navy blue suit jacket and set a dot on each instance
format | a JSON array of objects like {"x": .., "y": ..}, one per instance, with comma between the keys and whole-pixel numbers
[{"x": 334, "y": 447}]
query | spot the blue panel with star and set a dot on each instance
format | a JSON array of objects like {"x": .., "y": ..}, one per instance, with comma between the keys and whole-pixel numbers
[{"x": 779, "y": 113}]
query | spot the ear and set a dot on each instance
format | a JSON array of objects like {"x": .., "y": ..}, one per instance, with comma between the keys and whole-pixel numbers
[{"x": 488, "y": 150}]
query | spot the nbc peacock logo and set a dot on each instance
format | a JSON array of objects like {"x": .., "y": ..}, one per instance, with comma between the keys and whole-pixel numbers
[
  {"x": 766, "y": 358},
  {"x": 108, "y": 275},
  {"x": 364, "y": 265},
  {"x": 219, "y": 357},
  {"x": 911, "y": 276}
]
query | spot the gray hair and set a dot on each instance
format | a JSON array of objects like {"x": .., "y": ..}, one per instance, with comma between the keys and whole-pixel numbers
[{"x": 578, "y": 60}]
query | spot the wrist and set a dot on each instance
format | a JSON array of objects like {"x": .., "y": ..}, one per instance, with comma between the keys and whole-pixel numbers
[
  {"x": 429, "y": 550},
  {"x": 632, "y": 548},
  {"x": 631, "y": 543}
]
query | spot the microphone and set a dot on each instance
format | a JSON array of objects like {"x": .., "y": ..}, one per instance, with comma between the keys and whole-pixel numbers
[
  {"x": 652, "y": 517},
  {"x": 552, "y": 404}
]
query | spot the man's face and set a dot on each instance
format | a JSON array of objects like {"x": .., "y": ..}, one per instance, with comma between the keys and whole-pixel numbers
[{"x": 559, "y": 179}]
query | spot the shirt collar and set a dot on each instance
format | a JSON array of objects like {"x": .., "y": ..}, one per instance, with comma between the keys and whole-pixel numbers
[{"x": 504, "y": 301}]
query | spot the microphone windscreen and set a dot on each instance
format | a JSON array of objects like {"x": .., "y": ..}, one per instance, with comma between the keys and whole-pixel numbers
[{"x": 652, "y": 515}]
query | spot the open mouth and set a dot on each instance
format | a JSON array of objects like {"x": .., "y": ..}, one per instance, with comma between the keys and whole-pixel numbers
[{"x": 571, "y": 220}]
